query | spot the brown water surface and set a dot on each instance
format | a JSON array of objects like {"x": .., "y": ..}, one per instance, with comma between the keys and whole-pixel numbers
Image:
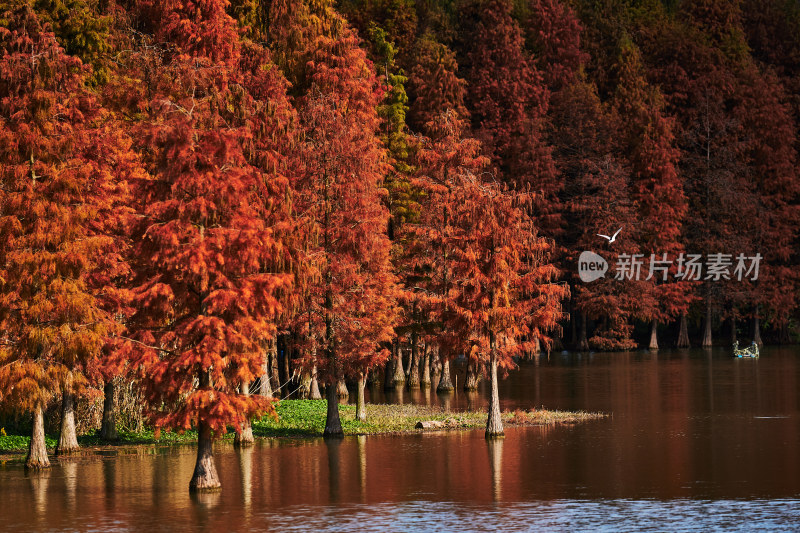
[{"x": 697, "y": 441}]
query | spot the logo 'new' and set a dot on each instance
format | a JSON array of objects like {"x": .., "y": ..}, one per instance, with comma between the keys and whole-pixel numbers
[{"x": 591, "y": 266}]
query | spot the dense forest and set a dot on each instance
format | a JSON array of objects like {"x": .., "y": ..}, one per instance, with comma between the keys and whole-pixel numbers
[{"x": 222, "y": 202}]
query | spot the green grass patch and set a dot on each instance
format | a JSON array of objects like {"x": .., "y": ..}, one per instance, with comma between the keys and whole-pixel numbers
[{"x": 306, "y": 418}]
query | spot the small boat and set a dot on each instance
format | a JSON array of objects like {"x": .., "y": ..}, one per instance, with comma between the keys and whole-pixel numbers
[{"x": 751, "y": 352}]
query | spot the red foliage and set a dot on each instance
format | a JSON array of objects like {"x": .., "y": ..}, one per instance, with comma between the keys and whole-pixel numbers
[
  {"x": 490, "y": 275},
  {"x": 211, "y": 255},
  {"x": 349, "y": 287},
  {"x": 508, "y": 101},
  {"x": 63, "y": 170}
]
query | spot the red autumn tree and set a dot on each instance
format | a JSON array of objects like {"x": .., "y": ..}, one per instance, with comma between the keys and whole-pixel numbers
[
  {"x": 554, "y": 34},
  {"x": 645, "y": 137},
  {"x": 696, "y": 60},
  {"x": 597, "y": 200},
  {"x": 508, "y": 101},
  {"x": 350, "y": 292},
  {"x": 60, "y": 180},
  {"x": 433, "y": 84},
  {"x": 496, "y": 290},
  {"x": 770, "y": 135},
  {"x": 209, "y": 293},
  {"x": 440, "y": 161}
]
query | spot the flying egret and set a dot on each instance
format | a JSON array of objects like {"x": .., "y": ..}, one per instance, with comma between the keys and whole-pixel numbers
[{"x": 613, "y": 237}]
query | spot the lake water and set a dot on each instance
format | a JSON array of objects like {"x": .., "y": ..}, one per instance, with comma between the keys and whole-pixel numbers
[{"x": 697, "y": 441}]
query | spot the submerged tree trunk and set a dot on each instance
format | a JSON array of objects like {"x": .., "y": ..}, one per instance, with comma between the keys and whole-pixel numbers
[
  {"x": 583, "y": 343},
  {"x": 398, "y": 376},
  {"x": 205, "y": 476},
  {"x": 108, "y": 426},
  {"x": 683, "y": 334},
  {"x": 314, "y": 393},
  {"x": 67, "y": 438},
  {"x": 707, "y": 340},
  {"x": 37, "y": 448},
  {"x": 653, "y": 335},
  {"x": 425, "y": 380},
  {"x": 445, "y": 382},
  {"x": 333, "y": 425},
  {"x": 472, "y": 378},
  {"x": 413, "y": 373},
  {"x": 244, "y": 436},
  {"x": 494, "y": 423},
  {"x": 757, "y": 328},
  {"x": 361, "y": 413}
]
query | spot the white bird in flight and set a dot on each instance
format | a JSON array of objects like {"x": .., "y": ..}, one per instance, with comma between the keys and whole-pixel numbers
[{"x": 613, "y": 237}]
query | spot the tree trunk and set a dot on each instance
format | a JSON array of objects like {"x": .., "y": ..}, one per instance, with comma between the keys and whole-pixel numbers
[
  {"x": 653, "y": 335},
  {"x": 399, "y": 375},
  {"x": 304, "y": 390},
  {"x": 108, "y": 426},
  {"x": 266, "y": 386},
  {"x": 314, "y": 393},
  {"x": 286, "y": 370},
  {"x": 341, "y": 389},
  {"x": 333, "y": 426},
  {"x": 707, "y": 340},
  {"x": 361, "y": 413},
  {"x": 373, "y": 377},
  {"x": 436, "y": 368},
  {"x": 244, "y": 436},
  {"x": 205, "y": 476},
  {"x": 784, "y": 333},
  {"x": 494, "y": 423},
  {"x": 37, "y": 448},
  {"x": 273, "y": 367},
  {"x": 67, "y": 438},
  {"x": 472, "y": 378},
  {"x": 413, "y": 374},
  {"x": 757, "y": 328},
  {"x": 425, "y": 381},
  {"x": 683, "y": 334},
  {"x": 445, "y": 382},
  {"x": 583, "y": 343},
  {"x": 388, "y": 374}
]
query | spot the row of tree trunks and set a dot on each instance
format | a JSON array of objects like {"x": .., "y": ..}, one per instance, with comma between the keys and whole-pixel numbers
[{"x": 580, "y": 341}]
